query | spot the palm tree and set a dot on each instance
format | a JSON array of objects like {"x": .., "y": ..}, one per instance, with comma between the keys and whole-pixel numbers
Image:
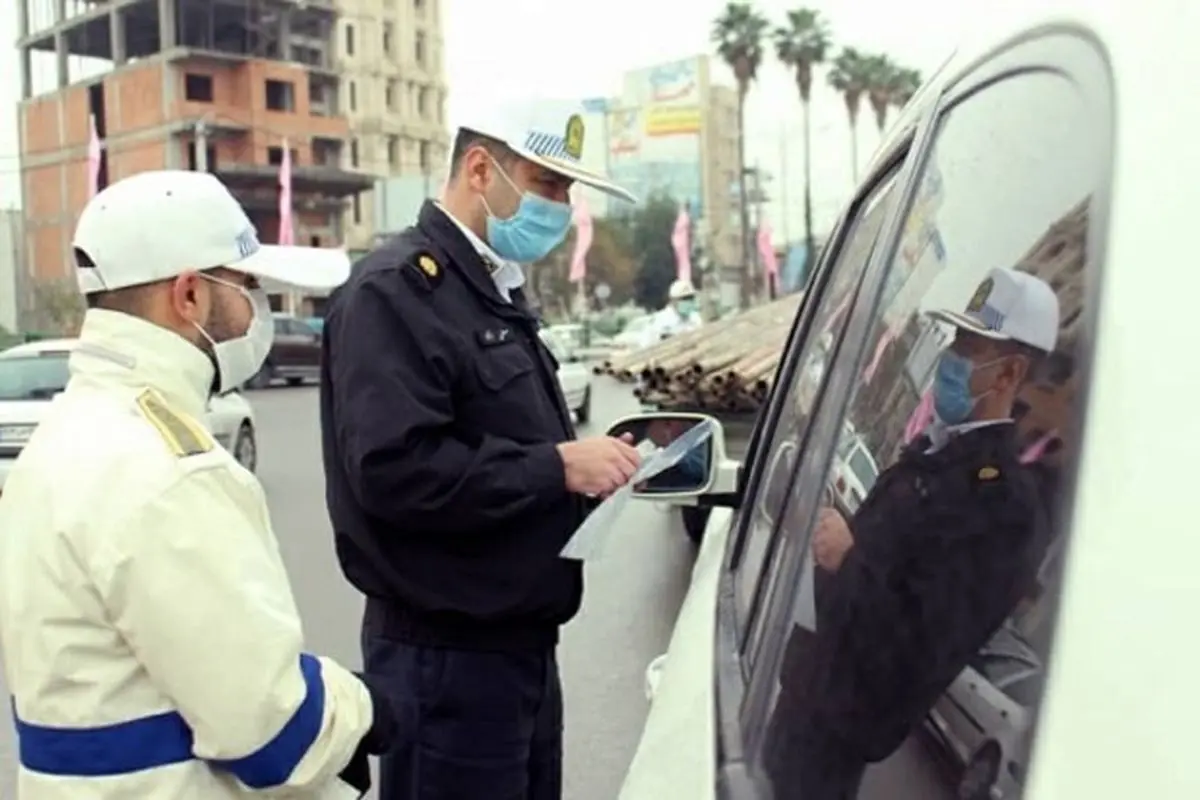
[
  {"x": 881, "y": 84},
  {"x": 801, "y": 44},
  {"x": 738, "y": 34},
  {"x": 849, "y": 76},
  {"x": 905, "y": 84}
]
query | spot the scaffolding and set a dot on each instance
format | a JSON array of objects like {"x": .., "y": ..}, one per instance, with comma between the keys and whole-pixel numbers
[{"x": 119, "y": 31}]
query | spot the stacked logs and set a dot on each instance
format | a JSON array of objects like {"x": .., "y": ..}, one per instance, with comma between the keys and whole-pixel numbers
[{"x": 724, "y": 366}]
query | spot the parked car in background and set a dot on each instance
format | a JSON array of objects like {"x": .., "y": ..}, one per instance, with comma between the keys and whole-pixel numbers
[
  {"x": 295, "y": 354},
  {"x": 32, "y": 374},
  {"x": 573, "y": 376},
  {"x": 854, "y": 470},
  {"x": 982, "y": 720},
  {"x": 316, "y": 323}
]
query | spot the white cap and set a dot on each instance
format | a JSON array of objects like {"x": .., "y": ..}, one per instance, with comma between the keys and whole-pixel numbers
[
  {"x": 551, "y": 140},
  {"x": 154, "y": 226},
  {"x": 1010, "y": 306},
  {"x": 681, "y": 289}
]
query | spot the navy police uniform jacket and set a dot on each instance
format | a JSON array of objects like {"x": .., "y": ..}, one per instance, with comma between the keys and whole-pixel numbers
[
  {"x": 440, "y": 415},
  {"x": 944, "y": 548}
]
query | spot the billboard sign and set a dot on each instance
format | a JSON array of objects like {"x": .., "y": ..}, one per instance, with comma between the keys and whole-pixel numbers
[
  {"x": 624, "y": 131},
  {"x": 676, "y": 83},
  {"x": 672, "y": 120}
]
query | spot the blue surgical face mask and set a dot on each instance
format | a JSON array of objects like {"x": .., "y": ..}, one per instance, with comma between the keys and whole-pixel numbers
[
  {"x": 538, "y": 226},
  {"x": 686, "y": 307},
  {"x": 952, "y": 398}
]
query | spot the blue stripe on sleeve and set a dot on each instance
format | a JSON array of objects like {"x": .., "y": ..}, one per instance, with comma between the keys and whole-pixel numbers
[
  {"x": 164, "y": 739},
  {"x": 119, "y": 749},
  {"x": 273, "y": 764}
]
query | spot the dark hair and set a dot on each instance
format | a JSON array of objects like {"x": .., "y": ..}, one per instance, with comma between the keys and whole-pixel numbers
[{"x": 467, "y": 139}]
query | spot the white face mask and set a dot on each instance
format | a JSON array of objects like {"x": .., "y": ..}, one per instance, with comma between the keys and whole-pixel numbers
[{"x": 240, "y": 358}]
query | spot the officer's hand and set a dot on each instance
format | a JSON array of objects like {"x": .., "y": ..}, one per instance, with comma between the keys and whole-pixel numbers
[
  {"x": 831, "y": 540},
  {"x": 599, "y": 465}
]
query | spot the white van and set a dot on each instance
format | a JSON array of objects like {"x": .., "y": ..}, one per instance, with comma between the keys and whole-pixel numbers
[{"x": 1064, "y": 147}]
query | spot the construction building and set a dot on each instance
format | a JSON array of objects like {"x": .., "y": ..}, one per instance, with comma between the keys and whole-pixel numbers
[
  {"x": 390, "y": 56},
  {"x": 217, "y": 85}
]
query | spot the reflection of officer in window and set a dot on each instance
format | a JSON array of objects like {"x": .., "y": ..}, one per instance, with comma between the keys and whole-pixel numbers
[
  {"x": 930, "y": 565},
  {"x": 691, "y": 471}
]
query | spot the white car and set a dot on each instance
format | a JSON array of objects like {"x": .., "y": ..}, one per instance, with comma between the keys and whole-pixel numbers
[
  {"x": 854, "y": 470},
  {"x": 983, "y": 719},
  {"x": 32, "y": 374},
  {"x": 1056, "y": 145},
  {"x": 574, "y": 377}
]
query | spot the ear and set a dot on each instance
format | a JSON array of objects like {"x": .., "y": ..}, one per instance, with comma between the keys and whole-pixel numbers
[
  {"x": 1015, "y": 371},
  {"x": 477, "y": 168},
  {"x": 188, "y": 299}
]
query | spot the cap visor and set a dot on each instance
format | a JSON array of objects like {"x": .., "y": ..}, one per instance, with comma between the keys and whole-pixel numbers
[
  {"x": 959, "y": 320},
  {"x": 578, "y": 174},
  {"x": 301, "y": 267}
]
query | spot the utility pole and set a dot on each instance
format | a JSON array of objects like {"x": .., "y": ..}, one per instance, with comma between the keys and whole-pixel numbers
[
  {"x": 757, "y": 198},
  {"x": 202, "y": 146}
]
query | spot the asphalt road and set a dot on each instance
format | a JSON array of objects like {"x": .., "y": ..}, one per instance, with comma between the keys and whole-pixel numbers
[{"x": 633, "y": 594}]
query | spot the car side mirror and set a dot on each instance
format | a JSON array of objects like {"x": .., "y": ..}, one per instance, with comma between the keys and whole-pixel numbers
[{"x": 702, "y": 470}]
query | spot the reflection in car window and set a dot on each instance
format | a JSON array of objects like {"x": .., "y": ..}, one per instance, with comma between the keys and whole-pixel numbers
[
  {"x": 553, "y": 346},
  {"x": 1000, "y": 670},
  {"x": 987, "y": 283},
  {"x": 863, "y": 469},
  {"x": 33, "y": 377},
  {"x": 807, "y": 379}
]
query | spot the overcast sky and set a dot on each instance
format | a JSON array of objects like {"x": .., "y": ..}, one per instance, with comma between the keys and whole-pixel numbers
[{"x": 498, "y": 53}]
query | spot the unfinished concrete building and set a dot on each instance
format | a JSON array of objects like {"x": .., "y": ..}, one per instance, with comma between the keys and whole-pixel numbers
[
  {"x": 217, "y": 85},
  {"x": 390, "y": 55}
]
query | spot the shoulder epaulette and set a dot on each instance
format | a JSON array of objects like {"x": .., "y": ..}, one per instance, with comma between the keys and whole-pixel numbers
[
  {"x": 423, "y": 271},
  {"x": 182, "y": 436}
]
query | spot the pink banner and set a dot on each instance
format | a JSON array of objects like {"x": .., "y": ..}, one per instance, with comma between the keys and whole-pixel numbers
[
  {"x": 681, "y": 243},
  {"x": 766, "y": 251},
  {"x": 1038, "y": 448},
  {"x": 287, "y": 232},
  {"x": 880, "y": 349},
  {"x": 93, "y": 157},
  {"x": 921, "y": 417},
  {"x": 583, "y": 239}
]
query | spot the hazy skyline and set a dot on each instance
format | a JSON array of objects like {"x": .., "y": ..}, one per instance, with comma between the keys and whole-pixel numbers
[{"x": 500, "y": 53}]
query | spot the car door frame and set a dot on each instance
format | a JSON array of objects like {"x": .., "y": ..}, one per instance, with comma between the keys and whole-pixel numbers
[
  {"x": 730, "y": 672},
  {"x": 1020, "y": 54}
]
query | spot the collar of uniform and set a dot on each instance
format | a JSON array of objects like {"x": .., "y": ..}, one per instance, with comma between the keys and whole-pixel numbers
[
  {"x": 941, "y": 435},
  {"x": 507, "y": 275},
  {"x": 121, "y": 349}
]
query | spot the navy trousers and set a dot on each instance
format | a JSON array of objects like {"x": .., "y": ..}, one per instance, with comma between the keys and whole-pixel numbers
[{"x": 475, "y": 725}]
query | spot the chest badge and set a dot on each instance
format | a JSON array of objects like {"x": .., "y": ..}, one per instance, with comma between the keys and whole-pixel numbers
[
  {"x": 494, "y": 336},
  {"x": 428, "y": 266},
  {"x": 989, "y": 474}
]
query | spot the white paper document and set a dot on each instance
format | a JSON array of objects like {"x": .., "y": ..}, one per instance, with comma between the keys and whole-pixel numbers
[
  {"x": 805, "y": 612},
  {"x": 589, "y": 538}
]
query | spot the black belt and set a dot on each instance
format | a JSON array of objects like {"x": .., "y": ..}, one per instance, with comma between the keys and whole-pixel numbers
[{"x": 388, "y": 619}]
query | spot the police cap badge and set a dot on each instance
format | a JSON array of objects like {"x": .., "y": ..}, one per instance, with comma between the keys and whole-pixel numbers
[{"x": 573, "y": 140}]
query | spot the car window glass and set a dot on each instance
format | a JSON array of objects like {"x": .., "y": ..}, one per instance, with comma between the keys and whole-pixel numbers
[
  {"x": 950, "y": 544},
  {"x": 1024, "y": 688},
  {"x": 863, "y": 468},
  {"x": 32, "y": 377},
  {"x": 554, "y": 347},
  {"x": 281, "y": 327},
  {"x": 806, "y": 381}
]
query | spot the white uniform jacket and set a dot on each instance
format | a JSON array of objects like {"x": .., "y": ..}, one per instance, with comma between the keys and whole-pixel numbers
[
  {"x": 669, "y": 322},
  {"x": 148, "y": 632}
]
